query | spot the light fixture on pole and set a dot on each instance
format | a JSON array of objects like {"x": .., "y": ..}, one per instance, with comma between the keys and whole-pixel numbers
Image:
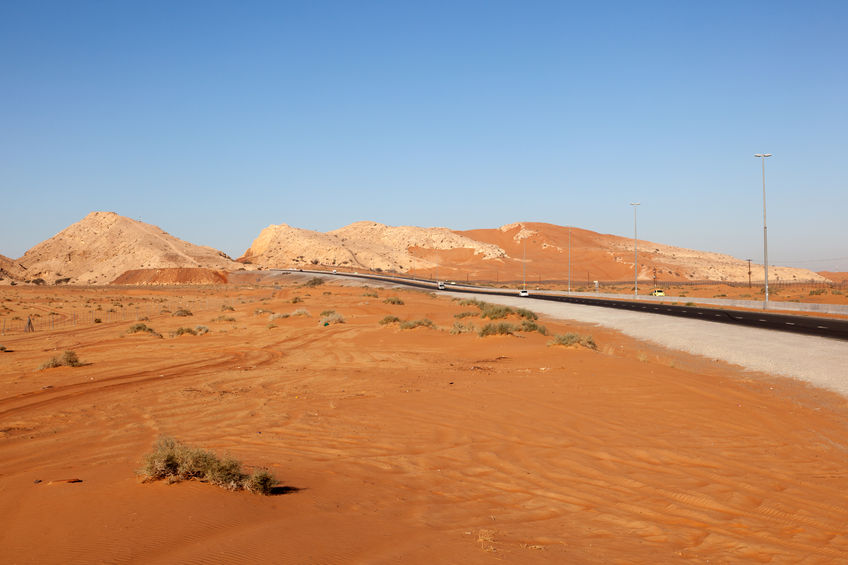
[
  {"x": 762, "y": 157},
  {"x": 635, "y": 253}
]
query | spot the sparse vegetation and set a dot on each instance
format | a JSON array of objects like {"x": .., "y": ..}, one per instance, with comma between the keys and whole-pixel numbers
[
  {"x": 224, "y": 319},
  {"x": 460, "y": 328},
  {"x": 227, "y": 308},
  {"x": 201, "y": 330},
  {"x": 314, "y": 281},
  {"x": 817, "y": 291},
  {"x": 389, "y": 320},
  {"x": 301, "y": 312},
  {"x": 183, "y": 331},
  {"x": 371, "y": 294},
  {"x": 502, "y": 328},
  {"x": 143, "y": 328},
  {"x": 273, "y": 317},
  {"x": 2, "y": 348},
  {"x": 393, "y": 300},
  {"x": 412, "y": 324},
  {"x": 175, "y": 462},
  {"x": 182, "y": 313},
  {"x": 68, "y": 359},
  {"x": 532, "y": 326},
  {"x": 260, "y": 311},
  {"x": 574, "y": 339},
  {"x": 465, "y": 314},
  {"x": 296, "y": 299},
  {"x": 330, "y": 317}
]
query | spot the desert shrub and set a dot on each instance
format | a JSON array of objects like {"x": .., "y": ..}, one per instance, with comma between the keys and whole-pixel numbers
[
  {"x": 142, "y": 328},
  {"x": 462, "y": 315},
  {"x": 527, "y": 314},
  {"x": 182, "y": 331},
  {"x": 389, "y": 320},
  {"x": 174, "y": 461},
  {"x": 393, "y": 300},
  {"x": 817, "y": 291},
  {"x": 224, "y": 319},
  {"x": 460, "y": 328},
  {"x": 296, "y": 299},
  {"x": 532, "y": 326},
  {"x": 260, "y": 481},
  {"x": 277, "y": 316},
  {"x": 574, "y": 339},
  {"x": 495, "y": 311},
  {"x": 2, "y": 348},
  {"x": 331, "y": 317},
  {"x": 472, "y": 302},
  {"x": 314, "y": 281},
  {"x": 301, "y": 312},
  {"x": 260, "y": 311},
  {"x": 502, "y": 328},
  {"x": 201, "y": 330},
  {"x": 412, "y": 324},
  {"x": 98, "y": 321},
  {"x": 227, "y": 308},
  {"x": 68, "y": 359},
  {"x": 371, "y": 294},
  {"x": 182, "y": 313}
]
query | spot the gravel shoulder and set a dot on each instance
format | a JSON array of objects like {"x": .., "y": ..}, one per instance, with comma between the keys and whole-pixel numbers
[{"x": 817, "y": 360}]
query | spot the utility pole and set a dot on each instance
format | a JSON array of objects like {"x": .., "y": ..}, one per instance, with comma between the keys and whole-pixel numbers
[
  {"x": 749, "y": 273},
  {"x": 569, "y": 259},
  {"x": 762, "y": 157}
]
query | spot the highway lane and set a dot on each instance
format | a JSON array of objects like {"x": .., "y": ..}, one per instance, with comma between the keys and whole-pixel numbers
[{"x": 808, "y": 325}]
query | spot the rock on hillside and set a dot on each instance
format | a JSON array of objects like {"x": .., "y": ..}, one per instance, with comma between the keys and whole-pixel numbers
[
  {"x": 10, "y": 270},
  {"x": 365, "y": 245},
  {"x": 104, "y": 245}
]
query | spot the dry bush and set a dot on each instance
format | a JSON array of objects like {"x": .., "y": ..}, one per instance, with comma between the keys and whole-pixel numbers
[
  {"x": 574, "y": 339},
  {"x": 412, "y": 324},
  {"x": 68, "y": 359},
  {"x": 389, "y": 320}
]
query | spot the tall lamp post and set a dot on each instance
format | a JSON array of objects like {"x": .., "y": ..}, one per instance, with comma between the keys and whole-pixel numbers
[
  {"x": 569, "y": 259},
  {"x": 635, "y": 253},
  {"x": 762, "y": 157}
]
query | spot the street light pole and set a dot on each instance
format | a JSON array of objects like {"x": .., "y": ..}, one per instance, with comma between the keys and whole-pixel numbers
[
  {"x": 569, "y": 259},
  {"x": 762, "y": 157},
  {"x": 635, "y": 253}
]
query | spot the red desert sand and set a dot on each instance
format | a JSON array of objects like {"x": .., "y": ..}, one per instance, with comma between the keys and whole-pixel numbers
[{"x": 399, "y": 445}]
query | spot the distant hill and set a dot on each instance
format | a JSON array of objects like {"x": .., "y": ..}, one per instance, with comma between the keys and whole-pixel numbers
[
  {"x": 499, "y": 254},
  {"x": 10, "y": 270},
  {"x": 103, "y": 245}
]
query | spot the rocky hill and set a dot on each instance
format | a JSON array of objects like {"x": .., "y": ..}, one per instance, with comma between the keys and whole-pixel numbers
[
  {"x": 10, "y": 270},
  {"x": 103, "y": 245},
  {"x": 362, "y": 245}
]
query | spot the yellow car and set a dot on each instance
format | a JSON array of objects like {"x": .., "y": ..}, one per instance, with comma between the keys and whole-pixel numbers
[{"x": 658, "y": 292}]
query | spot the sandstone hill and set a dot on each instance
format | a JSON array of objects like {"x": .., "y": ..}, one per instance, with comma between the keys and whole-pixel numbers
[
  {"x": 103, "y": 245},
  {"x": 512, "y": 252},
  {"x": 362, "y": 245}
]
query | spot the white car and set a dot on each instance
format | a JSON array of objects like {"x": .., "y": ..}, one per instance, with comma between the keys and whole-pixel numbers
[
  {"x": 441, "y": 286},
  {"x": 523, "y": 293}
]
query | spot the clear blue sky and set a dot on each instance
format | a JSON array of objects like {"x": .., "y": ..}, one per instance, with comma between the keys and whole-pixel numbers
[{"x": 213, "y": 120}]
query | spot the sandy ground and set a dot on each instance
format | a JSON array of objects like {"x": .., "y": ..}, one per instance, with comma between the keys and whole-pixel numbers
[{"x": 402, "y": 446}]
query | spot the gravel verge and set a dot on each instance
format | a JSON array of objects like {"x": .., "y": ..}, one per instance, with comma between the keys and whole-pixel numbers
[{"x": 820, "y": 361}]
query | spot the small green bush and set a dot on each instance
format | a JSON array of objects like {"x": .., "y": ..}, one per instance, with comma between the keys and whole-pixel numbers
[
  {"x": 182, "y": 331},
  {"x": 143, "y": 328},
  {"x": 389, "y": 320},
  {"x": 412, "y": 324},
  {"x": 495, "y": 311},
  {"x": 330, "y": 317},
  {"x": 531, "y": 326},
  {"x": 574, "y": 339},
  {"x": 68, "y": 359},
  {"x": 502, "y": 328},
  {"x": 462, "y": 315},
  {"x": 460, "y": 328},
  {"x": 527, "y": 314},
  {"x": 393, "y": 300},
  {"x": 174, "y": 461},
  {"x": 182, "y": 313}
]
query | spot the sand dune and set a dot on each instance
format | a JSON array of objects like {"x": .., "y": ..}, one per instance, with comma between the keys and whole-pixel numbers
[{"x": 413, "y": 446}]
